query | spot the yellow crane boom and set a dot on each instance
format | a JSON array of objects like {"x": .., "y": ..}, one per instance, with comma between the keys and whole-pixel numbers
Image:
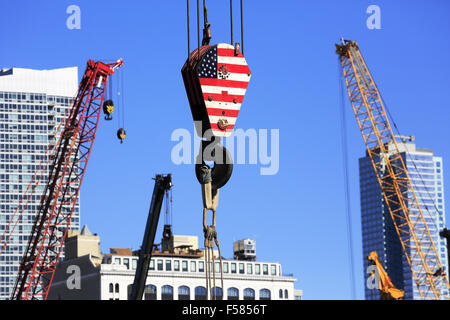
[
  {"x": 391, "y": 172},
  {"x": 387, "y": 289}
]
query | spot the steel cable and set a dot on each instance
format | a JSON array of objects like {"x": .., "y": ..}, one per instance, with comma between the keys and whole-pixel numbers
[
  {"x": 242, "y": 27},
  {"x": 344, "y": 143},
  {"x": 188, "y": 32},
  {"x": 231, "y": 21}
]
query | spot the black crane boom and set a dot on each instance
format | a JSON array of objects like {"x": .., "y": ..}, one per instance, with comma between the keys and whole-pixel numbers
[{"x": 162, "y": 184}]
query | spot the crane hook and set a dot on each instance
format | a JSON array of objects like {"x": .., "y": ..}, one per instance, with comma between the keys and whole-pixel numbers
[
  {"x": 108, "y": 109},
  {"x": 223, "y": 163},
  {"x": 121, "y": 134}
]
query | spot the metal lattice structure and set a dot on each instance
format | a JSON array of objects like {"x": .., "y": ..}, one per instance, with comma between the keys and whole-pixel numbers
[
  {"x": 67, "y": 161},
  {"x": 391, "y": 172}
]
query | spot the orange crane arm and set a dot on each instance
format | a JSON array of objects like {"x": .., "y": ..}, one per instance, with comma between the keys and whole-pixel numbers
[
  {"x": 387, "y": 289},
  {"x": 391, "y": 172}
]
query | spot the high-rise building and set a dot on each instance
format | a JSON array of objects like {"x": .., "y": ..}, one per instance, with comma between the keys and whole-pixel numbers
[
  {"x": 32, "y": 104},
  {"x": 378, "y": 232}
]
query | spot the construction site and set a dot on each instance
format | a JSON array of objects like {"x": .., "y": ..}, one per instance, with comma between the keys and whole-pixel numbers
[{"x": 193, "y": 104}]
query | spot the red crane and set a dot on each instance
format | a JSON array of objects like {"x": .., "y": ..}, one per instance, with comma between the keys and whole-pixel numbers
[{"x": 67, "y": 157}]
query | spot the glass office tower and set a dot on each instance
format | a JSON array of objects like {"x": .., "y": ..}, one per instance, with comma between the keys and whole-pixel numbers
[
  {"x": 32, "y": 103},
  {"x": 378, "y": 232}
]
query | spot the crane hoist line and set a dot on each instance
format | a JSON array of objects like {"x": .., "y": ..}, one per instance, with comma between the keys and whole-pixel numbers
[
  {"x": 398, "y": 192},
  {"x": 67, "y": 158},
  {"x": 109, "y": 107},
  {"x": 216, "y": 77}
]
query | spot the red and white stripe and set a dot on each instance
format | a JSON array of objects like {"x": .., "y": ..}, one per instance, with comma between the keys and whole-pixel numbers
[{"x": 227, "y": 94}]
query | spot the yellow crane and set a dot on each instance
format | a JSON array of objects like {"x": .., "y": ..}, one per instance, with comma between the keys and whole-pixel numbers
[
  {"x": 387, "y": 289},
  {"x": 390, "y": 169}
]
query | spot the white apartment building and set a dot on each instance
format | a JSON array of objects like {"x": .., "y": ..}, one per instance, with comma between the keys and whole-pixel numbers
[
  {"x": 172, "y": 276},
  {"x": 32, "y": 103}
]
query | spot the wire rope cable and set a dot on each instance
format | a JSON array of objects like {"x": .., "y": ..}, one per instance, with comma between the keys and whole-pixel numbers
[
  {"x": 344, "y": 149},
  {"x": 231, "y": 22}
]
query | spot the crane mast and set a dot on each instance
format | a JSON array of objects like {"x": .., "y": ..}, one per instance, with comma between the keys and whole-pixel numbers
[
  {"x": 68, "y": 162},
  {"x": 399, "y": 196}
]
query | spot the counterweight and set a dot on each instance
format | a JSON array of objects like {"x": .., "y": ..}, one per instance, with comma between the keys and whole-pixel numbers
[{"x": 390, "y": 169}]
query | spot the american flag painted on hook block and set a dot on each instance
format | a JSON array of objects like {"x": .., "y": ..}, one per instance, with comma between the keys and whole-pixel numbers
[{"x": 216, "y": 82}]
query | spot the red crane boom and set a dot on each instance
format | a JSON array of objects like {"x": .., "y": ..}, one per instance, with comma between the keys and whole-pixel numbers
[{"x": 67, "y": 165}]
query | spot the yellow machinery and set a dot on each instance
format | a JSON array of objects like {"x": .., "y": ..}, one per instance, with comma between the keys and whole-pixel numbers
[
  {"x": 390, "y": 169},
  {"x": 387, "y": 289}
]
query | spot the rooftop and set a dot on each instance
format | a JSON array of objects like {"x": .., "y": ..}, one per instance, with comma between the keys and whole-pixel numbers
[{"x": 57, "y": 82}]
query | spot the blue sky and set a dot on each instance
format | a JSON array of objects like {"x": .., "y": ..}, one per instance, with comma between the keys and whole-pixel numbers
[{"x": 298, "y": 215}]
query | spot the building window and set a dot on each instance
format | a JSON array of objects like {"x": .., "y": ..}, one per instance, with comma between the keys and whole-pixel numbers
[
  {"x": 168, "y": 265},
  {"x": 225, "y": 267},
  {"x": 167, "y": 293},
  {"x": 201, "y": 266},
  {"x": 264, "y": 294},
  {"x": 134, "y": 264},
  {"x": 217, "y": 267},
  {"x": 233, "y": 294},
  {"x": 281, "y": 294},
  {"x": 176, "y": 265},
  {"x": 265, "y": 269},
  {"x": 184, "y": 265},
  {"x": 257, "y": 269},
  {"x": 218, "y": 293},
  {"x": 249, "y": 268},
  {"x": 184, "y": 293},
  {"x": 200, "y": 293},
  {"x": 273, "y": 270},
  {"x": 126, "y": 263},
  {"x": 117, "y": 260},
  {"x": 152, "y": 264},
  {"x": 249, "y": 294},
  {"x": 150, "y": 292},
  {"x": 286, "y": 294},
  {"x": 111, "y": 288},
  {"x": 160, "y": 265},
  {"x": 117, "y": 288},
  {"x": 193, "y": 266},
  {"x": 233, "y": 268},
  {"x": 241, "y": 268}
]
